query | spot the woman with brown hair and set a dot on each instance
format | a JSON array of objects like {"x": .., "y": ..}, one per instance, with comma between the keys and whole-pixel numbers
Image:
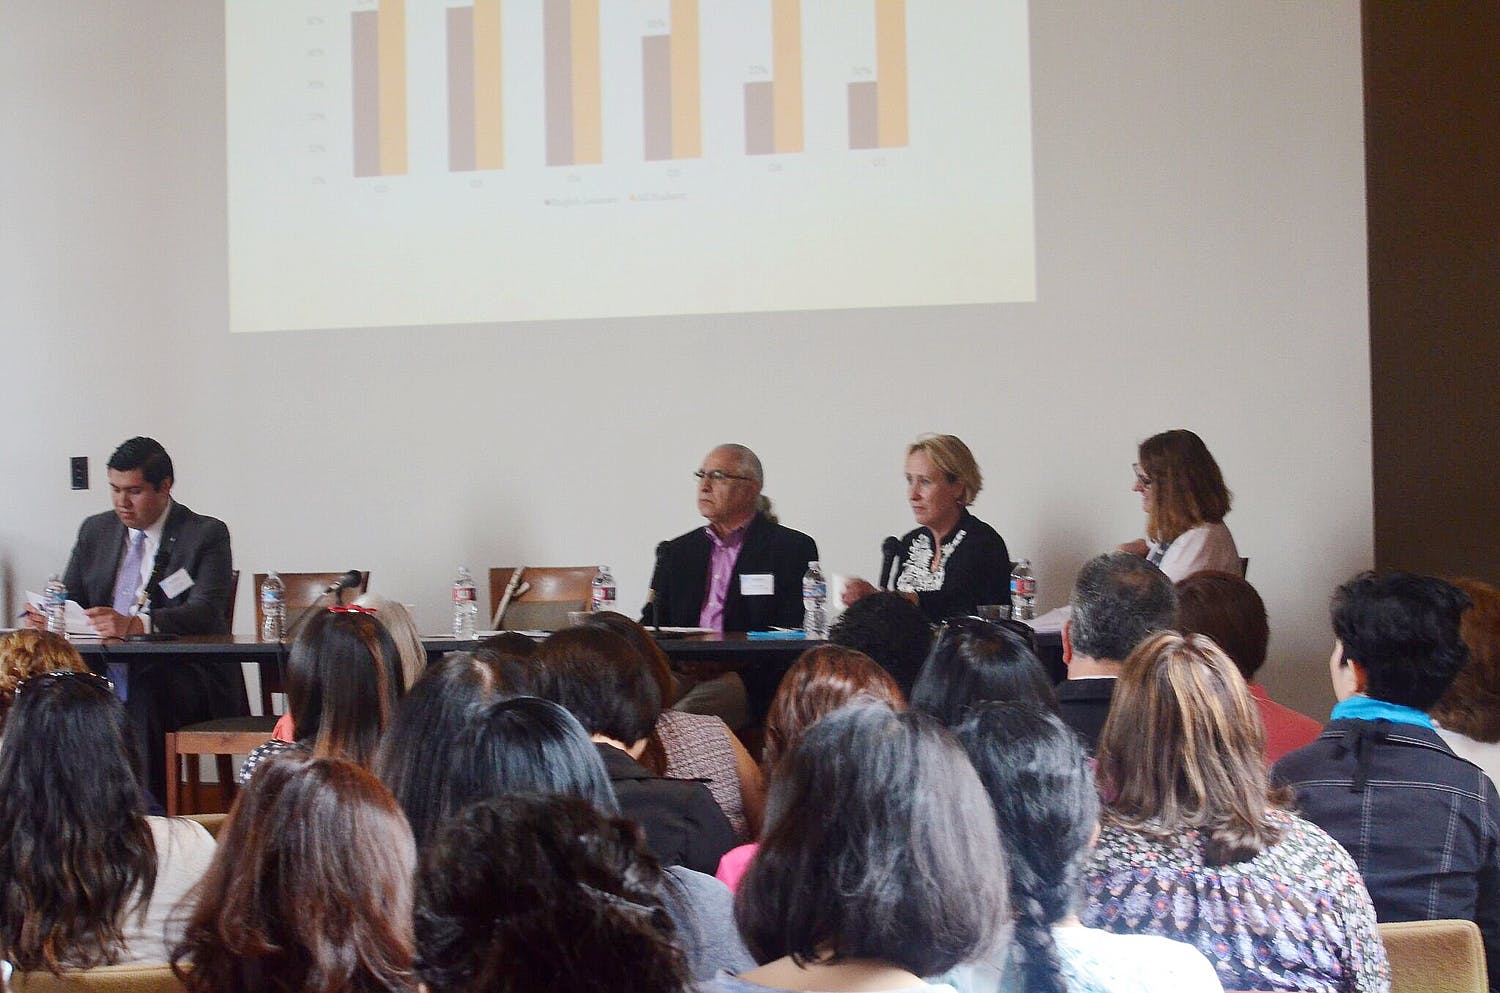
[
  {"x": 1469, "y": 713},
  {"x": 822, "y": 680},
  {"x": 311, "y": 889},
  {"x": 26, "y": 653},
  {"x": 1185, "y": 500},
  {"x": 1197, "y": 846}
]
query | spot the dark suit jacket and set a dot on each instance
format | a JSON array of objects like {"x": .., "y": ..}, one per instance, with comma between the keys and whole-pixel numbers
[
  {"x": 1084, "y": 704},
  {"x": 188, "y": 541},
  {"x": 683, "y": 824},
  {"x": 681, "y": 578}
]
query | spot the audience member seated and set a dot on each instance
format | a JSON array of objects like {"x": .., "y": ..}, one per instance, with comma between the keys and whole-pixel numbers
[
  {"x": 529, "y": 745},
  {"x": 417, "y": 750},
  {"x": 26, "y": 653},
  {"x": 822, "y": 680},
  {"x": 1041, "y": 785},
  {"x": 890, "y": 630},
  {"x": 686, "y": 745},
  {"x": 975, "y": 660},
  {"x": 1227, "y": 609},
  {"x": 1196, "y": 846},
  {"x": 525, "y": 893},
  {"x": 952, "y": 561},
  {"x": 880, "y": 862},
  {"x": 514, "y": 657},
  {"x": 1468, "y": 715},
  {"x": 311, "y": 889},
  {"x": 342, "y": 685},
  {"x": 597, "y": 675},
  {"x": 1118, "y": 600},
  {"x": 1185, "y": 500},
  {"x": 86, "y": 878},
  {"x": 1422, "y": 823}
]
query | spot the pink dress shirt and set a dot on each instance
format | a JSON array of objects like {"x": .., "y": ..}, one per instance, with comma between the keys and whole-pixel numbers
[{"x": 726, "y": 551}]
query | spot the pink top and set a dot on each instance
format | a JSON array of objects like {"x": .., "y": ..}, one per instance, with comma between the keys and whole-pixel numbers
[
  {"x": 1286, "y": 729},
  {"x": 733, "y": 865},
  {"x": 726, "y": 551},
  {"x": 284, "y": 730}
]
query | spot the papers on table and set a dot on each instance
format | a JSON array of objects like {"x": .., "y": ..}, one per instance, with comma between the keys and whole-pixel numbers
[{"x": 78, "y": 621}]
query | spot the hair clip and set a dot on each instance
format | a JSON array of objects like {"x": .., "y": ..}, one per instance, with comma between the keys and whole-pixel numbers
[{"x": 351, "y": 608}]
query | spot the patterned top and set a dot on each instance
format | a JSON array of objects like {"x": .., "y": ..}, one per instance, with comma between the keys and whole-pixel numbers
[
  {"x": 917, "y": 574},
  {"x": 1094, "y": 961},
  {"x": 698, "y": 747},
  {"x": 1295, "y": 917},
  {"x": 262, "y": 752}
]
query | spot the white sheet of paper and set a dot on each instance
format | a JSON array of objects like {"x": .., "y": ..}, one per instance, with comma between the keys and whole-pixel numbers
[
  {"x": 757, "y": 584},
  {"x": 78, "y": 622},
  {"x": 176, "y": 584}
]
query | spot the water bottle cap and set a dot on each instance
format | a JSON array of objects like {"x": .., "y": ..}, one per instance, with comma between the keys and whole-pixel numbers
[{"x": 814, "y": 564}]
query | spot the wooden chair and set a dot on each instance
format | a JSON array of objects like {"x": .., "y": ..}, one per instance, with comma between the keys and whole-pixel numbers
[
  {"x": 222, "y": 739},
  {"x": 1435, "y": 957},
  {"x": 555, "y": 590},
  {"x": 302, "y": 591},
  {"x": 212, "y": 823},
  {"x": 153, "y": 977}
]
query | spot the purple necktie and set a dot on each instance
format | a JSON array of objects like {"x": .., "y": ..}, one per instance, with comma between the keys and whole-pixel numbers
[{"x": 127, "y": 585}]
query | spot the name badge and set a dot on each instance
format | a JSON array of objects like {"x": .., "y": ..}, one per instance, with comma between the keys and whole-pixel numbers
[
  {"x": 176, "y": 584},
  {"x": 757, "y": 584}
]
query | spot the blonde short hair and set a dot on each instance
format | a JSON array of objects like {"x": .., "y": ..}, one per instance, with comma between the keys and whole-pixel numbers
[
  {"x": 953, "y": 459},
  {"x": 397, "y": 620},
  {"x": 27, "y": 653}
]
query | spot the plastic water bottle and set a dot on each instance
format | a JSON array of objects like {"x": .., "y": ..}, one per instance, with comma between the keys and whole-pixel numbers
[
  {"x": 465, "y": 605},
  {"x": 272, "y": 607},
  {"x": 55, "y": 606},
  {"x": 602, "y": 592},
  {"x": 814, "y": 602},
  {"x": 1022, "y": 592}
]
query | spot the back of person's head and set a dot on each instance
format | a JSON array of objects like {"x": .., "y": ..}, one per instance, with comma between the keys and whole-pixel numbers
[
  {"x": 891, "y": 630},
  {"x": 1038, "y": 776},
  {"x": 1119, "y": 599},
  {"x": 1404, "y": 631},
  {"x": 76, "y": 854},
  {"x": 343, "y": 684},
  {"x": 597, "y": 675},
  {"x": 651, "y": 653},
  {"x": 514, "y": 657},
  {"x": 1471, "y": 706},
  {"x": 26, "y": 653},
  {"x": 974, "y": 660},
  {"x": 523, "y": 893},
  {"x": 1183, "y": 747},
  {"x": 147, "y": 455},
  {"x": 1186, "y": 488},
  {"x": 1228, "y": 610},
  {"x": 415, "y": 753},
  {"x": 310, "y": 889},
  {"x": 525, "y": 745},
  {"x": 821, "y": 681},
  {"x": 879, "y": 843},
  {"x": 397, "y": 620}
]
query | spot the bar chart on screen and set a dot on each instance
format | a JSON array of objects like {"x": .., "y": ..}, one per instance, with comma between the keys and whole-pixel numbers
[{"x": 361, "y": 131}]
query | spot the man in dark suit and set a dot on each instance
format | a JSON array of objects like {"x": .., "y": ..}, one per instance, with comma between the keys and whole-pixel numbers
[
  {"x": 151, "y": 564},
  {"x": 1118, "y": 600},
  {"x": 743, "y": 571}
]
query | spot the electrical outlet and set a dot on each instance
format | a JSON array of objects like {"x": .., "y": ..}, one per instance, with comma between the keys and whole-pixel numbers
[{"x": 80, "y": 471}]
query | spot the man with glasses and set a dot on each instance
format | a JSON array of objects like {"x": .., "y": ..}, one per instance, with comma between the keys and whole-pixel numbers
[{"x": 741, "y": 572}]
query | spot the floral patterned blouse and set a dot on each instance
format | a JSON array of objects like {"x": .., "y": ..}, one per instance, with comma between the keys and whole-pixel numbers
[{"x": 1295, "y": 917}]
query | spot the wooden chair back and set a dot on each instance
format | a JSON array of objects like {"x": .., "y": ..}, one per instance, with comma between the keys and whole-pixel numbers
[
  {"x": 555, "y": 590},
  {"x": 135, "y": 978},
  {"x": 1435, "y": 957},
  {"x": 302, "y": 591},
  {"x": 219, "y": 738}
]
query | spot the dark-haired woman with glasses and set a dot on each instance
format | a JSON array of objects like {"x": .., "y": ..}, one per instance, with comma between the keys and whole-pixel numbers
[
  {"x": 86, "y": 878},
  {"x": 1185, "y": 500}
]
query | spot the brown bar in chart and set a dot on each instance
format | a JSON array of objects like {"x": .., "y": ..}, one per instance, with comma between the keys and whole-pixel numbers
[
  {"x": 476, "y": 135},
  {"x": 571, "y": 84},
  {"x": 878, "y": 111},
  {"x": 773, "y": 107},
  {"x": 673, "y": 103},
  {"x": 379, "y": 89}
]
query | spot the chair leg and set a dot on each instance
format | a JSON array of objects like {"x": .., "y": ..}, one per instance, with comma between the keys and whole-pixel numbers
[
  {"x": 225, "y": 766},
  {"x": 192, "y": 785},
  {"x": 174, "y": 776}
]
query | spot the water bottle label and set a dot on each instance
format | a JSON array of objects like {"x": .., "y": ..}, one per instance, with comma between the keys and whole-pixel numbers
[
  {"x": 463, "y": 594},
  {"x": 269, "y": 597},
  {"x": 1022, "y": 587},
  {"x": 604, "y": 598},
  {"x": 814, "y": 591}
]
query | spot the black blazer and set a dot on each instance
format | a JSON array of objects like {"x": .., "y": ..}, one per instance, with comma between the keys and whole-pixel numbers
[
  {"x": 1083, "y": 705},
  {"x": 682, "y": 823},
  {"x": 681, "y": 578},
  {"x": 188, "y": 541}
]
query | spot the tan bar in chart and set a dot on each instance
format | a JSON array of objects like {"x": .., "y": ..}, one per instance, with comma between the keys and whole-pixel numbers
[
  {"x": 489, "y": 122},
  {"x": 773, "y": 107},
  {"x": 378, "y": 77},
  {"x": 879, "y": 116},
  {"x": 588, "y": 125},
  {"x": 687, "y": 95}
]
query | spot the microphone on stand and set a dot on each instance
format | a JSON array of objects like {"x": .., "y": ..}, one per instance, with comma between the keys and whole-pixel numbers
[
  {"x": 889, "y": 550},
  {"x": 348, "y": 580},
  {"x": 656, "y": 572},
  {"x": 158, "y": 566}
]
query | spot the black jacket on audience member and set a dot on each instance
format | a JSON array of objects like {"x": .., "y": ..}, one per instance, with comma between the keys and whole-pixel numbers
[
  {"x": 683, "y": 824},
  {"x": 681, "y": 578},
  {"x": 1083, "y": 705},
  {"x": 1422, "y": 823}
]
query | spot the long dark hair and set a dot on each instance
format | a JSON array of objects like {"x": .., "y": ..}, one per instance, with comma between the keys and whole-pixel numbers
[
  {"x": 973, "y": 661},
  {"x": 76, "y": 853},
  {"x": 310, "y": 890},
  {"x": 1037, "y": 774},
  {"x": 416, "y": 751},
  {"x": 343, "y": 683}
]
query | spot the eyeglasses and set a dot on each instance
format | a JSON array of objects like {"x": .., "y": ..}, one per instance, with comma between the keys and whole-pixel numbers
[
  {"x": 66, "y": 675},
  {"x": 718, "y": 476},
  {"x": 351, "y": 608},
  {"x": 1140, "y": 477}
]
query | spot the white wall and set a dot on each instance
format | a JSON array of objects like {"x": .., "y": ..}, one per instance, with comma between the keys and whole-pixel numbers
[{"x": 1201, "y": 259}]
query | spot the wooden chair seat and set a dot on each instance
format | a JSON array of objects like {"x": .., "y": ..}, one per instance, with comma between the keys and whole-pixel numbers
[
  {"x": 222, "y": 738},
  {"x": 1435, "y": 957}
]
